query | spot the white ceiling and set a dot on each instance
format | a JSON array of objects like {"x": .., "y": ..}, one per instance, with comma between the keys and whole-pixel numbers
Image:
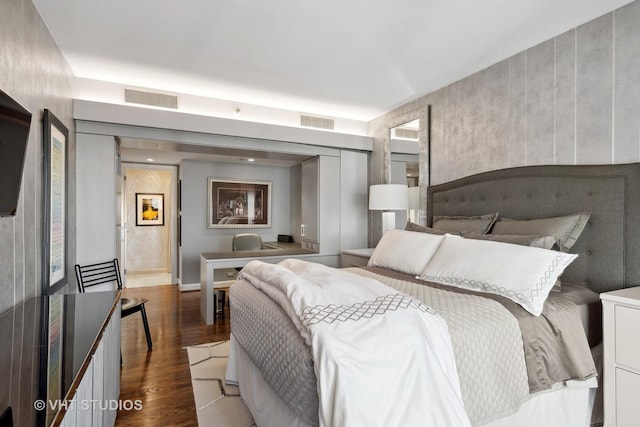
[{"x": 352, "y": 59}]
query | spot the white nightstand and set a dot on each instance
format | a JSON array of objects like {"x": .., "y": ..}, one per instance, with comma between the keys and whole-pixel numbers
[
  {"x": 621, "y": 337},
  {"x": 355, "y": 257}
]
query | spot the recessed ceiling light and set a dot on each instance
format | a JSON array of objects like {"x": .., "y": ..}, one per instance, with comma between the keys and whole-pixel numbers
[
  {"x": 150, "y": 160},
  {"x": 251, "y": 160}
]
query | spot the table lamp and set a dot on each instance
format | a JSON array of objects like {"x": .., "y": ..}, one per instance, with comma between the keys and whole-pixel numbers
[
  {"x": 388, "y": 198},
  {"x": 414, "y": 203}
]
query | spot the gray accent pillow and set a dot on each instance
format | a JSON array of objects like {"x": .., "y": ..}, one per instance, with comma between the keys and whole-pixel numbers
[
  {"x": 566, "y": 229},
  {"x": 478, "y": 224},
  {"x": 546, "y": 242},
  {"x": 411, "y": 226}
]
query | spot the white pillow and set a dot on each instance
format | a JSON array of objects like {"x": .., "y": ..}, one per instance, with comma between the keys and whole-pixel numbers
[
  {"x": 406, "y": 251},
  {"x": 523, "y": 274}
]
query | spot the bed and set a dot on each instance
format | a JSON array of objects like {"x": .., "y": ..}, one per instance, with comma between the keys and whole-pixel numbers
[{"x": 502, "y": 382}]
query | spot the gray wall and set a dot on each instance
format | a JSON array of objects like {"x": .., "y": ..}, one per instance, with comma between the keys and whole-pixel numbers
[
  {"x": 354, "y": 199},
  {"x": 197, "y": 238},
  {"x": 96, "y": 194},
  {"x": 574, "y": 99},
  {"x": 34, "y": 72}
]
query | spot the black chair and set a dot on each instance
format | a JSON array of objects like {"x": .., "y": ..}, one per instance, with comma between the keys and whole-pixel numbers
[{"x": 109, "y": 272}]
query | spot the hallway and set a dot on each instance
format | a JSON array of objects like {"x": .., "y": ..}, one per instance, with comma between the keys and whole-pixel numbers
[{"x": 141, "y": 280}]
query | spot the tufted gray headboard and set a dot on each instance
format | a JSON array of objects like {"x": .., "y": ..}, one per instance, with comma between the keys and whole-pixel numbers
[{"x": 609, "y": 247}]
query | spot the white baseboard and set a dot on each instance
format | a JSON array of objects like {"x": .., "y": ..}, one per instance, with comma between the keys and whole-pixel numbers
[{"x": 188, "y": 287}]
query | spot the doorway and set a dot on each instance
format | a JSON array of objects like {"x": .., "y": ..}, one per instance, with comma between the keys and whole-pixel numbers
[{"x": 150, "y": 212}]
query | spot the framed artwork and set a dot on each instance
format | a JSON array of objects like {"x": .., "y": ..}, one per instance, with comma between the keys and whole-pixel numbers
[
  {"x": 54, "y": 189},
  {"x": 149, "y": 209},
  {"x": 54, "y": 352},
  {"x": 51, "y": 372},
  {"x": 238, "y": 203}
]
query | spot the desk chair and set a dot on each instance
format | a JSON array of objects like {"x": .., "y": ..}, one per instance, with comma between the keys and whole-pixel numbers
[
  {"x": 109, "y": 272},
  {"x": 241, "y": 242},
  {"x": 247, "y": 242}
]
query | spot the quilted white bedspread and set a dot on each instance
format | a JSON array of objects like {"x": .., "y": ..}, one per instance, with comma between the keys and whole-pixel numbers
[
  {"x": 487, "y": 343},
  {"x": 352, "y": 324}
]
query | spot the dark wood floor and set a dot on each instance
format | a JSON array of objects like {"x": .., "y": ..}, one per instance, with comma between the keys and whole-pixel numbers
[{"x": 160, "y": 378}]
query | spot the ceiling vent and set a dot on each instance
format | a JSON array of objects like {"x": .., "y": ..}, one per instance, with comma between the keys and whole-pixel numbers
[
  {"x": 404, "y": 133},
  {"x": 150, "y": 98},
  {"x": 316, "y": 122}
]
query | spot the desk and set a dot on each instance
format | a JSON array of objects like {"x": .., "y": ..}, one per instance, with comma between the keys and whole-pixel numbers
[{"x": 272, "y": 252}]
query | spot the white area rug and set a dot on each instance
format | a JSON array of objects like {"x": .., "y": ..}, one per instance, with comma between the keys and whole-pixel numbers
[{"x": 217, "y": 403}]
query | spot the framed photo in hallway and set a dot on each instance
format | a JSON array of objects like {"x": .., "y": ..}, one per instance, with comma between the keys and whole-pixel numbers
[
  {"x": 238, "y": 203},
  {"x": 149, "y": 209}
]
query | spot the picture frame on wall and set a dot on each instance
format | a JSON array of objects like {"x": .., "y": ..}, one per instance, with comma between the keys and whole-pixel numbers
[
  {"x": 54, "y": 350},
  {"x": 50, "y": 356},
  {"x": 238, "y": 203},
  {"x": 54, "y": 189},
  {"x": 149, "y": 209}
]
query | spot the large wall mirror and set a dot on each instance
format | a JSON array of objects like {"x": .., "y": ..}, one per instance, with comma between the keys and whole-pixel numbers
[
  {"x": 409, "y": 162},
  {"x": 404, "y": 143},
  {"x": 401, "y": 155}
]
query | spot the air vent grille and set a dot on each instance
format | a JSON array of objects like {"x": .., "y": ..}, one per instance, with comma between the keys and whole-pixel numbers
[
  {"x": 316, "y": 122},
  {"x": 403, "y": 133},
  {"x": 150, "y": 98}
]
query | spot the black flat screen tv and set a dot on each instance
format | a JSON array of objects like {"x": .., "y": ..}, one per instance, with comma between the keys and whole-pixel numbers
[{"x": 15, "y": 122}]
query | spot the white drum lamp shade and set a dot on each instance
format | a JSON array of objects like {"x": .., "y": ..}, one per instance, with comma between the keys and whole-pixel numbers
[{"x": 388, "y": 198}]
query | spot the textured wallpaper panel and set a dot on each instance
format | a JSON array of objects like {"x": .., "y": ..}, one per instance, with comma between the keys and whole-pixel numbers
[
  {"x": 573, "y": 99},
  {"x": 36, "y": 74},
  {"x": 148, "y": 247}
]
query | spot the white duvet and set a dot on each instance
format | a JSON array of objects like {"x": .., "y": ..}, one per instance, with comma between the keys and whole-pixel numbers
[{"x": 381, "y": 358}]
